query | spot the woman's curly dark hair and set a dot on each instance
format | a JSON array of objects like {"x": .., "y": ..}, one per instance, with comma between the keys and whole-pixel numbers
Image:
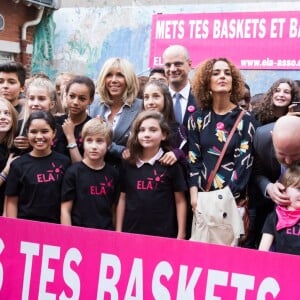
[
  {"x": 264, "y": 112},
  {"x": 201, "y": 82}
]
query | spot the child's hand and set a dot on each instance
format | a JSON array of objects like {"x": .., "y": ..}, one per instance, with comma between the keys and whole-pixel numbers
[
  {"x": 10, "y": 159},
  {"x": 68, "y": 129},
  {"x": 21, "y": 142},
  {"x": 168, "y": 159}
]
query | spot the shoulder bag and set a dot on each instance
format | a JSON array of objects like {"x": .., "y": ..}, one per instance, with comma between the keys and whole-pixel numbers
[{"x": 217, "y": 218}]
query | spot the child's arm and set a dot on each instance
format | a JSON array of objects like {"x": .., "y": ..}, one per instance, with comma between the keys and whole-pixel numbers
[
  {"x": 65, "y": 212},
  {"x": 266, "y": 242},
  {"x": 181, "y": 210},
  {"x": 120, "y": 212},
  {"x": 11, "y": 206}
]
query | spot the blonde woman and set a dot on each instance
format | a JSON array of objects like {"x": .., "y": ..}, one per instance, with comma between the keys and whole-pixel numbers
[{"x": 117, "y": 87}]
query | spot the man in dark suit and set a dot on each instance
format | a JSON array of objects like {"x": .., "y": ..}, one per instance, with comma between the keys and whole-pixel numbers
[
  {"x": 286, "y": 142},
  {"x": 276, "y": 145},
  {"x": 266, "y": 171},
  {"x": 177, "y": 64}
]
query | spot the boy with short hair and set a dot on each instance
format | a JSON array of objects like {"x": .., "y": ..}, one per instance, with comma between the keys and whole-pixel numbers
[
  {"x": 12, "y": 81},
  {"x": 89, "y": 190}
]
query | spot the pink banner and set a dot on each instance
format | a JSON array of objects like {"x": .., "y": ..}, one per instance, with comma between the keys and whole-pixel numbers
[
  {"x": 46, "y": 261},
  {"x": 252, "y": 40}
]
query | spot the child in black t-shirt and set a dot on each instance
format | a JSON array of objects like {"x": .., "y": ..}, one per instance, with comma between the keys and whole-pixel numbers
[
  {"x": 282, "y": 226},
  {"x": 40, "y": 95},
  {"x": 34, "y": 181},
  {"x": 80, "y": 91},
  {"x": 152, "y": 199},
  {"x": 90, "y": 186}
]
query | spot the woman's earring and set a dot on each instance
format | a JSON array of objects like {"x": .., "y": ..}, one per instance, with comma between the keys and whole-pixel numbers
[{"x": 210, "y": 92}]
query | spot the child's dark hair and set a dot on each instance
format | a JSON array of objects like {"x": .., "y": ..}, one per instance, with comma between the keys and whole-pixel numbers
[
  {"x": 40, "y": 114},
  {"x": 135, "y": 149},
  {"x": 157, "y": 70},
  {"x": 168, "y": 110},
  {"x": 82, "y": 80},
  {"x": 14, "y": 67}
]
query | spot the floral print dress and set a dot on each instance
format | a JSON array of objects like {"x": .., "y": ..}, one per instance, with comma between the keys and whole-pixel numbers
[{"x": 207, "y": 134}]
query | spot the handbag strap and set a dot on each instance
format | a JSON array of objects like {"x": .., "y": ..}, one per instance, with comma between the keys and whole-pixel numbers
[{"x": 214, "y": 171}]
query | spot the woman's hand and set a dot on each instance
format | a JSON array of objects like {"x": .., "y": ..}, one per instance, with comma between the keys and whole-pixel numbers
[{"x": 168, "y": 159}]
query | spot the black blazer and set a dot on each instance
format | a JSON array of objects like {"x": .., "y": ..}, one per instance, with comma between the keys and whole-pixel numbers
[
  {"x": 266, "y": 168},
  {"x": 190, "y": 109}
]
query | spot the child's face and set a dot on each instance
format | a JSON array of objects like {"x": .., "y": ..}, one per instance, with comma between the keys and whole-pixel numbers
[
  {"x": 38, "y": 99},
  {"x": 78, "y": 99},
  {"x": 150, "y": 134},
  {"x": 40, "y": 137},
  {"x": 95, "y": 147},
  {"x": 153, "y": 98},
  {"x": 282, "y": 95},
  {"x": 294, "y": 194},
  {"x": 10, "y": 86},
  {"x": 5, "y": 118}
]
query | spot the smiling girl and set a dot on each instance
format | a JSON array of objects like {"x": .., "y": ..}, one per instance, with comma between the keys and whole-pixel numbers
[
  {"x": 40, "y": 96},
  {"x": 276, "y": 101},
  {"x": 8, "y": 129},
  {"x": 158, "y": 98},
  {"x": 152, "y": 199},
  {"x": 34, "y": 181}
]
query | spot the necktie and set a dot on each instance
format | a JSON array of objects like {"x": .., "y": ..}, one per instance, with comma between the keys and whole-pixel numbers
[{"x": 177, "y": 108}]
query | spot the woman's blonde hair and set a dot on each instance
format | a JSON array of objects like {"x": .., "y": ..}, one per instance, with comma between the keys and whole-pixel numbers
[
  {"x": 8, "y": 139},
  {"x": 127, "y": 70}
]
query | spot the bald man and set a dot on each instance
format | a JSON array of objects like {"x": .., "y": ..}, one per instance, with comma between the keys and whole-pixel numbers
[
  {"x": 177, "y": 65},
  {"x": 286, "y": 142}
]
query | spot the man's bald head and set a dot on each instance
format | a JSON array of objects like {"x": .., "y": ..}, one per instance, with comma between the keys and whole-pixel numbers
[
  {"x": 286, "y": 140},
  {"x": 177, "y": 64}
]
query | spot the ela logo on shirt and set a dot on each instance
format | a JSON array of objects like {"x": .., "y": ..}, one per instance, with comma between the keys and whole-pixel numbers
[
  {"x": 50, "y": 175},
  {"x": 102, "y": 188},
  {"x": 151, "y": 183}
]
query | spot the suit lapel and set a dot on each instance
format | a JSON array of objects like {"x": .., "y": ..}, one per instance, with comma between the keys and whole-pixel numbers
[
  {"x": 191, "y": 103},
  {"x": 124, "y": 123}
]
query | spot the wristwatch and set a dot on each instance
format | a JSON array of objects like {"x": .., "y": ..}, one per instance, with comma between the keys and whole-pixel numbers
[{"x": 71, "y": 145}]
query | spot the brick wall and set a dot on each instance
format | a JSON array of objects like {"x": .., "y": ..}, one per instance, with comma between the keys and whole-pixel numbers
[{"x": 15, "y": 15}]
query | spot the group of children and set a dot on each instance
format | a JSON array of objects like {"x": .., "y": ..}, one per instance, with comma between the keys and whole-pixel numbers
[
  {"x": 58, "y": 172},
  {"x": 54, "y": 169}
]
